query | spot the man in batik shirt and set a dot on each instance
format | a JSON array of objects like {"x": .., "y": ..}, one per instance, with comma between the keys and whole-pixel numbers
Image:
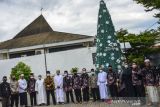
[
  {"x": 85, "y": 85},
  {"x": 67, "y": 85},
  {"x": 150, "y": 82},
  {"x": 31, "y": 89},
  {"x": 93, "y": 85},
  {"x": 112, "y": 82},
  {"x": 137, "y": 81},
  {"x": 49, "y": 84},
  {"x": 77, "y": 87}
]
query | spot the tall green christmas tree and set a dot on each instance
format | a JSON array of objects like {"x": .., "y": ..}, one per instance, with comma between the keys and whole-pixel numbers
[{"x": 108, "y": 47}]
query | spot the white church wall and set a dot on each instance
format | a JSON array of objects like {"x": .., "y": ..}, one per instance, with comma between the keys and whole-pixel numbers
[
  {"x": 64, "y": 60},
  {"x": 35, "y": 62}
]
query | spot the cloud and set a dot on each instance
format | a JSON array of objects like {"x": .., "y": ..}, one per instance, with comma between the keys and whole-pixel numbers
[{"x": 74, "y": 16}]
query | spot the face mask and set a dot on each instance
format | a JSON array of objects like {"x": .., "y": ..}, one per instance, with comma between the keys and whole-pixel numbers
[
  {"x": 65, "y": 74},
  {"x": 134, "y": 66},
  {"x": 126, "y": 66},
  {"x": 110, "y": 69},
  {"x": 119, "y": 71},
  {"x": 100, "y": 70},
  {"x": 13, "y": 78},
  {"x": 84, "y": 71},
  {"x": 147, "y": 64},
  {"x": 93, "y": 74},
  {"x": 5, "y": 79}
]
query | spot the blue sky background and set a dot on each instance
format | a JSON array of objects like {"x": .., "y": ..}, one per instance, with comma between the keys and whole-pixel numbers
[{"x": 73, "y": 16}]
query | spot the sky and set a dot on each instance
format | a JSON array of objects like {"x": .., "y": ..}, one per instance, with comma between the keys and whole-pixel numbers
[{"x": 72, "y": 16}]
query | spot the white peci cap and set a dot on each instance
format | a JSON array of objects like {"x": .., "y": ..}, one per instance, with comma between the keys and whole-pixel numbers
[
  {"x": 146, "y": 60},
  {"x": 22, "y": 75}
]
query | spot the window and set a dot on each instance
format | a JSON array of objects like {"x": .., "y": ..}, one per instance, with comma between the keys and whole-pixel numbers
[
  {"x": 64, "y": 48},
  {"x": 21, "y": 54},
  {"x": 38, "y": 52}
]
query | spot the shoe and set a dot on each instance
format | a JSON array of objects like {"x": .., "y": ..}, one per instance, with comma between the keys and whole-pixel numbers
[{"x": 149, "y": 104}]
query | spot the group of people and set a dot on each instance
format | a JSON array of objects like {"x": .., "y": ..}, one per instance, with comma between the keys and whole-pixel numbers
[
  {"x": 40, "y": 90},
  {"x": 130, "y": 83},
  {"x": 141, "y": 83}
]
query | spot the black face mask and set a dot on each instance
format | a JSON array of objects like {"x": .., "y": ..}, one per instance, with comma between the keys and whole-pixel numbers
[
  {"x": 5, "y": 80},
  {"x": 13, "y": 78},
  {"x": 110, "y": 69}
]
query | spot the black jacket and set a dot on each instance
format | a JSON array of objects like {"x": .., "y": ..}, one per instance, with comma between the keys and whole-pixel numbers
[{"x": 5, "y": 90}]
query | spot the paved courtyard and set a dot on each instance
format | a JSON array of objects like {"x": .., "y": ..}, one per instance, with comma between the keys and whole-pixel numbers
[
  {"x": 95, "y": 104},
  {"x": 115, "y": 103}
]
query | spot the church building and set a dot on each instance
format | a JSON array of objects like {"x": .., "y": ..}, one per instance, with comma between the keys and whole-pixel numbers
[{"x": 42, "y": 48}]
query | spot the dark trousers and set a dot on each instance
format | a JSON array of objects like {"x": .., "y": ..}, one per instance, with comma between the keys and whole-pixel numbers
[
  {"x": 50, "y": 92},
  {"x": 23, "y": 98},
  {"x": 14, "y": 99},
  {"x": 78, "y": 95},
  {"x": 95, "y": 94},
  {"x": 85, "y": 94},
  {"x": 33, "y": 98},
  {"x": 113, "y": 90},
  {"x": 71, "y": 95},
  {"x": 140, "y": 93},
  {"x": 5, "y": 102}
]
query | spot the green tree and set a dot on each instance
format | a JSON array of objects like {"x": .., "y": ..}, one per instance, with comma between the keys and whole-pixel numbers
[
  {"x": 108, "y": 48},
  {"x": 141, "y": 44},
  {"x": 151, "y": 5},
  {"x": 21, "y": 68}
]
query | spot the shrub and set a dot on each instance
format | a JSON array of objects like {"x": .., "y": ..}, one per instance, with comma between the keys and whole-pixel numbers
[
  {"x": 73, "y": 70},
  {"x": 21, "y": 68}
]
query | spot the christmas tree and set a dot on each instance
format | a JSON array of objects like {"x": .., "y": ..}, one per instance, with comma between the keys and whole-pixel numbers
[{"x": 108, "y": 47}]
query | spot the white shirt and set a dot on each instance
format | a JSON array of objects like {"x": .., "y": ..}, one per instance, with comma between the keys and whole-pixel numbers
[{"x": 22, "y": 83}]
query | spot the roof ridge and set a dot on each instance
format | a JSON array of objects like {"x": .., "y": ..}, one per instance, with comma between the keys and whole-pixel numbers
[
  {"x": 73, "y": 33},
  {"x": 39, "y": 25}
]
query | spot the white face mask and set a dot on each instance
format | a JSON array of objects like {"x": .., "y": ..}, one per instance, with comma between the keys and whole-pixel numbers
[
  {"x": 134, "y": 66},
  {"x": 119, "y": 71},
  {"x": 101, "y": 70},
  {"x": 48, "y": 74},
  {"x": 84, "y": 71},
  {"x": 126, "y": 66},
  {"x": 65, "y": 74}
]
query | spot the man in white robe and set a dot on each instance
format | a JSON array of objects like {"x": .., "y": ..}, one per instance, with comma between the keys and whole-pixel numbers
[
  {"x": 58, "y": 81},
  {"x": 102, "y": 83},
  {"x": 41, "y": 92}
]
